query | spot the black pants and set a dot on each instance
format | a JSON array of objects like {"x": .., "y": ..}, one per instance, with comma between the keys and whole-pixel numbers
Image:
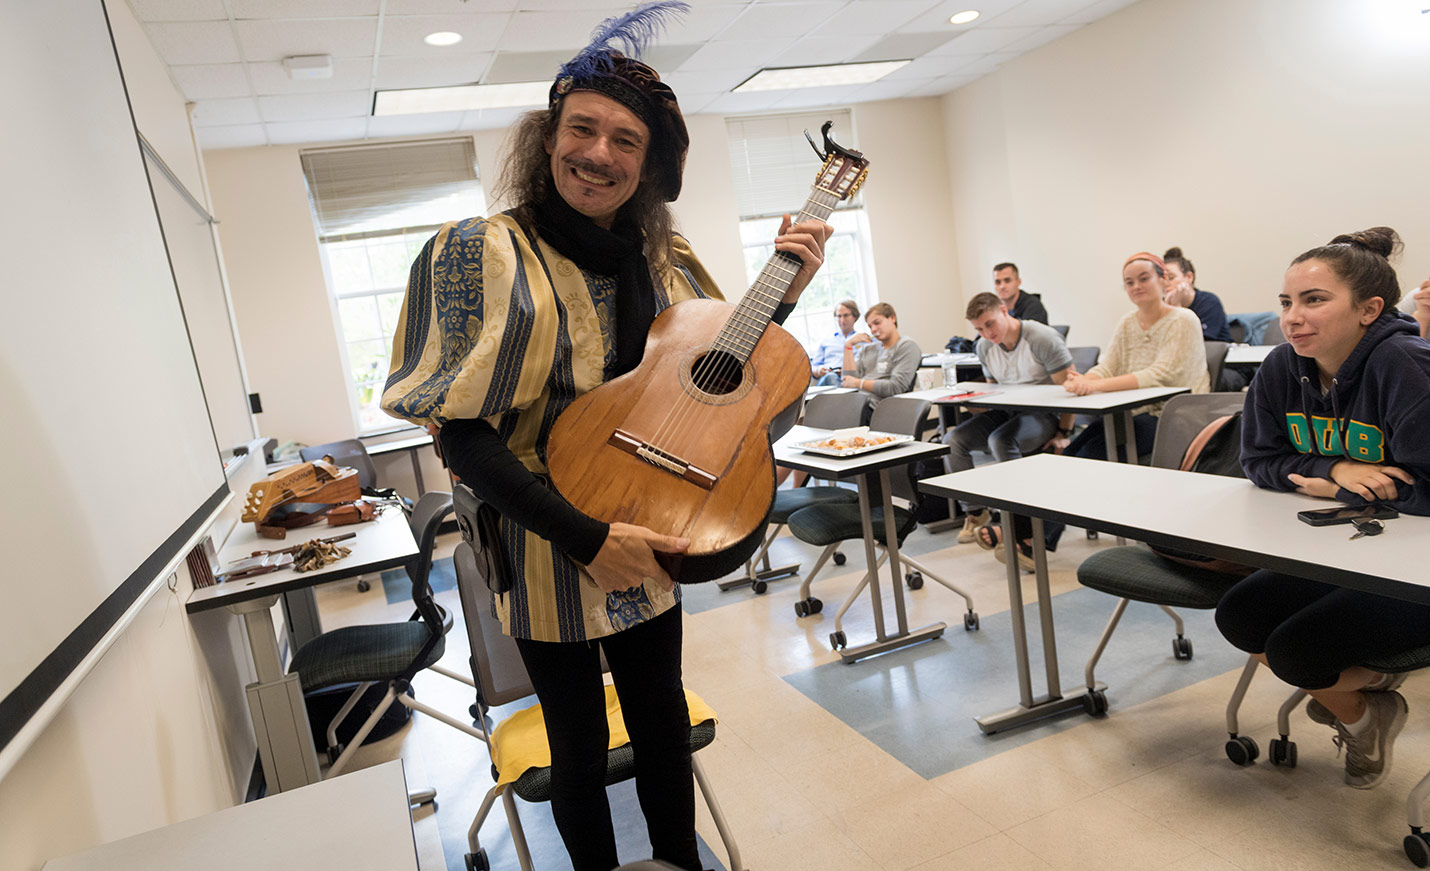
[
  {"x": 1311, "y": 632},
  {"x": 1091, "y": 444},
  {"x": 645, "y": 667}
]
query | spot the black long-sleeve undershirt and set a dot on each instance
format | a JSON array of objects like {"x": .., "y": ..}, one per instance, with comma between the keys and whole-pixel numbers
[{"x": 477, "y": 455}]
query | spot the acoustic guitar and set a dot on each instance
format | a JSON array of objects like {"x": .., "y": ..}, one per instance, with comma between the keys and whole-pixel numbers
[{"x": 681, "y": 444}]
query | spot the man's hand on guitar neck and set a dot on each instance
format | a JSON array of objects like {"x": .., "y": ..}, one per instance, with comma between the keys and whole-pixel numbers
[
  {"x": 804, "y": 240},
  {"x": 627, "y": 558}
]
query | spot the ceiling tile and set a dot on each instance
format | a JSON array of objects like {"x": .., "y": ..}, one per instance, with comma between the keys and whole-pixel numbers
[
  {"x": 494, "y": 119},
  {"x": 349, "y": 74},
  {"x": 819, "y": 50},
  {"x": 402, "y": 36},
  {"x": 740, "y": 104},
  {"x": 424, "y": 72},
  {"x": 274, "y": 40},
  {"x": 938, "y": 16},
  {"x": 305, "y": 8},
  {"x": 1042, "y": 37},
  {"x": 544, "y": 31},
  {"x": 983, "y": 40},
  {"x": 693, "y": 103},
  {"x": 525, "y": 66},
  {"x": 943, "y": 85},
  {"x": 415, "y": 125},
  {"x": 886, "y": 89},
  {"x": 904, "y": 45},
  {"x": 986, "y": 64},
  {"x": 179, "y": 10},
  {"x": 207, "y": 42},
  {"x": 1089, "y": 14},
  {"x": 705, "y": 81},
  {"x": 211, "y": 81},
  {"x": 1035, "y": 13},
  {"x": 233, "y": 136},
  {"x": 804, "y": 98},
  {"x": 303, "y": 132},
  {"x": 308, "y": 107},
  {"x": 859, "y": 19},
  {"x": 702, "y": 23},
  {"x": 787, "y": 19},
  {"x": 445, "y": 7},
  {"x": 932, "y": 67},
  {"x": 212, "y": 113},
  {"x": 748, "y": 55}
]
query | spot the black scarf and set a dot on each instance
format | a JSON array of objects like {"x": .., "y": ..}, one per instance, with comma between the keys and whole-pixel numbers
[{"x": 617, "y": 252}]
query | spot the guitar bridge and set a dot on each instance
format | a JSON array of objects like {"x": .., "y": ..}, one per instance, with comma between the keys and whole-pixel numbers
[{"x": 661, "y": 459}]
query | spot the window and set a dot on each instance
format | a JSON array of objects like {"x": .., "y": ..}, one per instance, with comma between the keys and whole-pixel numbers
[
  {"x": 374, "y": 207},
  {"x": 773, "y": 168}
]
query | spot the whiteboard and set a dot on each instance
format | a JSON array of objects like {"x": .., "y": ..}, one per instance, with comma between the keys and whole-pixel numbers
[{"x": 107, "y": 456}]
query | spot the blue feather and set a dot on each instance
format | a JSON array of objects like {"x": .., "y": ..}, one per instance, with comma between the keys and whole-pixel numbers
[{"x": 634, "y": 31}]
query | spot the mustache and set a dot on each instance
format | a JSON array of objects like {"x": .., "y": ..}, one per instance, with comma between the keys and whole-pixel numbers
[{"x": 591, "y": 168}]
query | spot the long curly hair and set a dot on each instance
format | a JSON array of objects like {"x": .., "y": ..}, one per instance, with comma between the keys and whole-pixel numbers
[{"x": 526, "y": 180}]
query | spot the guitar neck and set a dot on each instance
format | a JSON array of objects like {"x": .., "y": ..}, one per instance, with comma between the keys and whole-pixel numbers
[{"x": 754, "y": 313}]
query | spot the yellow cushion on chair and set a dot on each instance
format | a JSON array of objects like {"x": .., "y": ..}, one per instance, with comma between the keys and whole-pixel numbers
[{"x": 519, "y": 742}]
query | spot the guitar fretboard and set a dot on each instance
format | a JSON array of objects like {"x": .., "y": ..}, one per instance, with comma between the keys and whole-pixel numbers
[{"x": 754, "y": 313}]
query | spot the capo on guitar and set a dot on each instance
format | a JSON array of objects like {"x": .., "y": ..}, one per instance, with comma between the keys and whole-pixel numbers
[{"x": 830, "y": 146}]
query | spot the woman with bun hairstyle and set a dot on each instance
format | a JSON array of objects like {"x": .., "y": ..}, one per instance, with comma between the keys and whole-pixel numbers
[
  {"x": 1154, "y": 345},
  {"x": 1341, "y": 411},
  {"x": 1183, "y": 292}
]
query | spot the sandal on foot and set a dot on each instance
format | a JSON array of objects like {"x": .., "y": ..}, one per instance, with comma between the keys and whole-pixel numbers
[
  {"x": 989, "y": 536},
  {"x": 1025, "y": 556}
]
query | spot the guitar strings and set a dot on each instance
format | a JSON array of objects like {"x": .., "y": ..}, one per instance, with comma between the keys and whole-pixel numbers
[{"x": 722, "y": 361}]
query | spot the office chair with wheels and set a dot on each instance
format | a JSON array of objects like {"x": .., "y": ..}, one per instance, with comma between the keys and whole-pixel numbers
[
  {"x": 1134, "y": 572},
  {"x": 501, "y": 678},
  {"x": 1216, "y": 362},
  {"x": 825, "y": 411},
  {"x": 828, "y": 524},
  {"x": 386, "y": 652}
]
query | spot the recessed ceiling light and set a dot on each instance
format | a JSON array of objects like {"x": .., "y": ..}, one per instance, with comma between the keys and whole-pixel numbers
[
  {"x": 443, "y": 37},
  {"x": 964, "y": 17},
  {"x": 460, "y": 98},
  {"x": 782, "y": 78}
]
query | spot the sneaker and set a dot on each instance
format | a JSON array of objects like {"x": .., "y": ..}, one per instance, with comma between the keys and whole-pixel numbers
[
  {"x": 971, "y": 521},
  {"x": 1387, "y": 683},
  {"x": 1368, "y": 754},
  {"x": 1319, "y": 713}
]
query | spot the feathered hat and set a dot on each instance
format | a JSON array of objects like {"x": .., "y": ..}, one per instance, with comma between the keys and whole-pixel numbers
[{"x": 606, "y": 70}]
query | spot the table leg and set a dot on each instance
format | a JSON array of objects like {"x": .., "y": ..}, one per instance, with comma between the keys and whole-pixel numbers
[
  {"x": 1109, "y": 434},
  {"x": 417, "y": 470},
  {"x": 275, "y": 705},
  {"x": 1130, "y": 438},
  {"x": 866, "y": 522}
]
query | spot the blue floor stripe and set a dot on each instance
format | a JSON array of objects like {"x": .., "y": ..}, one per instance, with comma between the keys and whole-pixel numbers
[{"x": 918, "y": 703}]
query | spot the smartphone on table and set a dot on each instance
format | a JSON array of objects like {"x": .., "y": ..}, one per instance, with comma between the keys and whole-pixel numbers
[{"x": 1347, "y": 514}]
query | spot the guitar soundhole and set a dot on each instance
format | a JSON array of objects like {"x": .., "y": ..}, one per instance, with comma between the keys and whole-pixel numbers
[{"x": 717, "y": 373}]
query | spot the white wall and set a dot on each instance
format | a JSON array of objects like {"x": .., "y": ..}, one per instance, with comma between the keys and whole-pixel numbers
[
  {"x": 1245, "y": 131},
  {"x": 158, "y": 731}
]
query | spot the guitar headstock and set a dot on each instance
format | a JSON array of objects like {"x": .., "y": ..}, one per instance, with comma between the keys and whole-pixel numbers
[{"x": 844, "y": 169}]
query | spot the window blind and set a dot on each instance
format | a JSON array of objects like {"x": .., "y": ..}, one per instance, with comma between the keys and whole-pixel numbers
[
  {"x": 360, "y": 188},
  {"x": 772, "y": 163}
]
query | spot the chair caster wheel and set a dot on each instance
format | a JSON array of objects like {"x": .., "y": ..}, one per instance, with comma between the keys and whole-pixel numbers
[
  {"x": 815, "y": 605},
  {"x": 1242, "y": 750},
  {"x": 915, "y": 580},
  {"x": 478, "y": 861},
  {"x": 1417, "y": 849},
  {"x": 1182, "y": 647},
  {"x": 1094, "y": 702},
  {"x": 1282, "y": 751},
  {"x": 837, "y": 640},
  {"x": 801, "y": 609},
  {"x": 805, "y": 607},
  {"x": 1091, "y": 535},
  {"x": 363, "y": 586},
  {"x": 840, "y": 559},
  {"x": 759, "y": 586},
  {"x": 970, "y": 621}
]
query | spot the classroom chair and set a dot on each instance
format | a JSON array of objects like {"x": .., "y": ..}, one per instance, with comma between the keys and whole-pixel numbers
[
  {"x": 500, "y": 678},
  {"x": 1216, "y": 362},
  {"x": 386, "y": 652},
  {"x": 1133, "y": 572},
  {"x": 1273, "y": 334},
  {"x": 1085, "y": 356},
  {"x": 825, "y": 411},
  {"x": 1062, "y": 330},
  {"x": 826, "y": 525},
  {"x": 1242, "y": 749},
  {"x": 351, "y": 453}
]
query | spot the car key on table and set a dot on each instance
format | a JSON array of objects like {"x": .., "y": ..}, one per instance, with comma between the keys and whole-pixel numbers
[{"x": 1366, "y": 527}]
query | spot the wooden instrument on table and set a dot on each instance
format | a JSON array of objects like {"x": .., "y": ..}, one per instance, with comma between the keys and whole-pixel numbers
[{"x": 681, "y": 444}]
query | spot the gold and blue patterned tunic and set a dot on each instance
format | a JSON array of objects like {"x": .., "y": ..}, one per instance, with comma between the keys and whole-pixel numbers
[{"x": 498, "y": 329}]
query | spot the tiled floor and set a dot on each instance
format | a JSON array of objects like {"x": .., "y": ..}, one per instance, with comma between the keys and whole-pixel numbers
[{"x": 1147, "y": 787}]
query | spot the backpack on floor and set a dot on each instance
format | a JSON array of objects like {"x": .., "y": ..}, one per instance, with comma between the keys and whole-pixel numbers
[{"x": 1216, "y": 450}]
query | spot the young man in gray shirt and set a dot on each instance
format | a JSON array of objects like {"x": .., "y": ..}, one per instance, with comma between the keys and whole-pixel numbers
[{"x": 1012, "y": 351}]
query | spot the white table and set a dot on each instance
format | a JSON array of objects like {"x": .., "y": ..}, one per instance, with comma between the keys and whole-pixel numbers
[
  {"x": 1218, "y": 516},
  {"x": 357, "y": 822},
  {"x": 860, "y": 468},
  {"x": 1247, "y": 355},
  {"x": 412, "y": 446},
  {"x": 937, "y": 361},
  {"x": 275, "y": 699}
]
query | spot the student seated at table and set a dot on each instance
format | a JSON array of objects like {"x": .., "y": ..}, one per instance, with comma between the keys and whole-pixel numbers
[
  {"x": 829, "y": 356},
  {"x": 1012, "y": 351},
  {"x": 1183, "y": 293},
  {"x": 1342, "y": 411},
  {"x": 1155, "y": 345},
  {"x": 886, "y": 364}
]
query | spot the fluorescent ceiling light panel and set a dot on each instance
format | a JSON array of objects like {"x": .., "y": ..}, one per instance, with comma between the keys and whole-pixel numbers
[
  {"x": 460, "y": 98},
  {"x": 964, "y": 17},
  {"x": 442, "y": 37},
  {"x": 785, "y": 78}
]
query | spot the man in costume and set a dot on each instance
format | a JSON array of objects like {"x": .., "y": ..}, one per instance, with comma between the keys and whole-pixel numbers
[{"x": 507, "y": 320}]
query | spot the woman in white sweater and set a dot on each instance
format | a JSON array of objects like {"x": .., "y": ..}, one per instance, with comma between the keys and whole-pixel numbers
[{"x": 1156, "y": 345}]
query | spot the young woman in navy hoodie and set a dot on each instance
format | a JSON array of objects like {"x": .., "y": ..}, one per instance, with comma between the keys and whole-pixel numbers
[{"x": 1341, "y": 411}]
